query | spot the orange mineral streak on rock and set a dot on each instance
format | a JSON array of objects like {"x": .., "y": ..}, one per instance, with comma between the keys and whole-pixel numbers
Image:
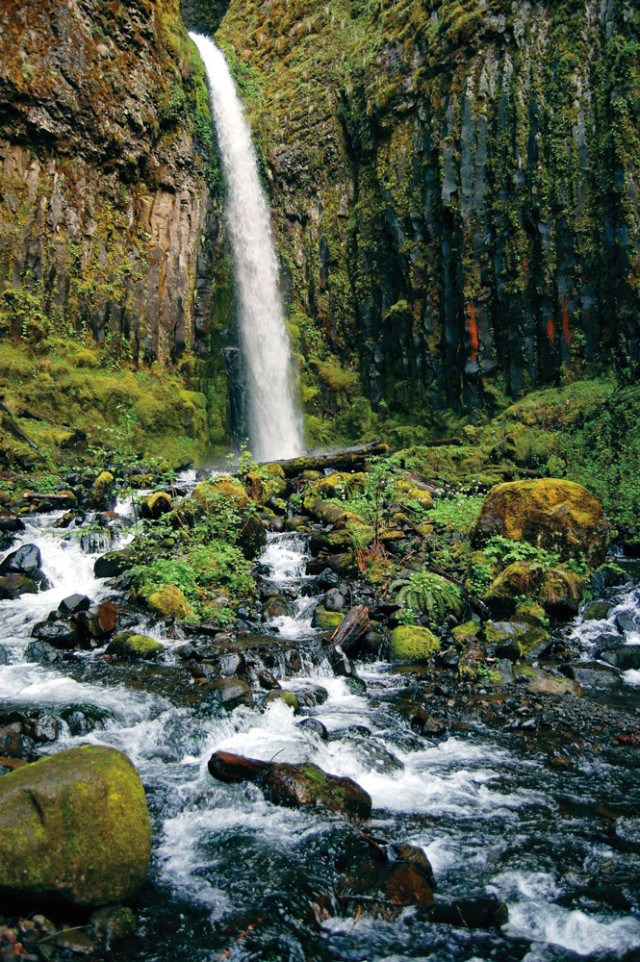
[
  {"x": 473, "y": 332},
  {"x": 551, "y": 331}
]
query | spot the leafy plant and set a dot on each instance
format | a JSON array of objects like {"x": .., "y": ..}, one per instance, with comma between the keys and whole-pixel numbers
[{"x": 428, "y": 592}]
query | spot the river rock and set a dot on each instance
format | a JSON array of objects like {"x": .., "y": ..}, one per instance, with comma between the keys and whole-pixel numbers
[
  {"x": 73, "y": 604},
  {"x": 13, "y": 586},
  {"x": 549, "y": 513},
  {"x": 592, "y": 674},
  {"x": 293, "y": 786},
  {"x": 252, "y": 537},
  {"x": 74, "y": 826},
  {"x": 113, "y": 563},
  {"x": 60, "y": 634},
  {"x": 25, "y": 561},
  {"x": 482, "y": 912},
  {"x": 156, "y": 505},
  {"x": 130, "y": 646},
  {"x": 233, "y": 692}
]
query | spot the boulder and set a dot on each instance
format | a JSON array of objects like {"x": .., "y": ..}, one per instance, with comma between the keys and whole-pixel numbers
[
  {"x": 13, "y": 586},
  {"x": 129, "y": 646},
  {"x": 169, "y": 602},
  {"x": 516, "y": 639},
  {"x": 156, "y": 505},
  {"x": 410, "y": 643},
  {"x": 25, "y": 561},
  {"x": 325, "y": 620},
  {"x": 75, "y": 827},
  {"x": 549, "y": 513},
  {"x": 557, "y": 590},
  {"x": 293, "y": 786},
  {"x": 113, "y": 563}
]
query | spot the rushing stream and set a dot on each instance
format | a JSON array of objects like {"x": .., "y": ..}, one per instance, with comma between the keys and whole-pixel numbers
[{"x": 236, "y": 877}]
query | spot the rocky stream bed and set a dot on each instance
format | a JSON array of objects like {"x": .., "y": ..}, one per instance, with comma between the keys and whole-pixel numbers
[{"x": 487, "y": 814}]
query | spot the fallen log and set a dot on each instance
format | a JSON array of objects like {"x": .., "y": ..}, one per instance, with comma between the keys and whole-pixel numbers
[
  {"x": 353, "y": 628},
  {"x": 344, "y": 459}
]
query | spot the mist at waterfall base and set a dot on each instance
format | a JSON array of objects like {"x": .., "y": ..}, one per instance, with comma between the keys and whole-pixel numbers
[
  {"x": 234, "y": 876},
  {"x": 274, "y": 423}
]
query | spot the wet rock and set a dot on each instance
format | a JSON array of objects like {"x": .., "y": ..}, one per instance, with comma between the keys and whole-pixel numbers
[
  {"x": 113, "y": 563},
  {"x": 288, "y": 697},
  {"x": 628, "y": 621},
  {"x": 252, "y": 537},
  {"x": 596, "y": 610},
  {"x": 316, "y": 726},
  {"x": 325, "y": 620},
  {"x": 276, "y": 607},
  {"x": 26, "y": 561},
  {"x": 398, "y": 874},
  {"x": 483, "y": 912},
  {"x": 543, "y": 683},
  {"x": 10, "y": 523},
  {"x": 558, "y": 590},
  {"x": 334, "y": 600},
  {"x": 549, "y": 513},
  {"x": 74, "y": 604},
  {"x": 233, "y": 692},
  {"x": 312, "y": 695},
  {"x": 14, "y": 744},
  {"x": 59, "y": 634},
  {"x": 293, "y": 786},
  {"x": 592, "y": 674},
  {"x": 13, "y": 586},
  {"x": 129, "y": 646},
  {"x": 113, "y": 924},
  {"x": 267, "y": 680},
  {"x": 74, "y": 826},
  {"x": 410, "y": 644},
  {"x": 42, "y": 653}
]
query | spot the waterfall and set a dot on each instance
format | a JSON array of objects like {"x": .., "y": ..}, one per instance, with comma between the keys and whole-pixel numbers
[{"x": 274, "y": 422}]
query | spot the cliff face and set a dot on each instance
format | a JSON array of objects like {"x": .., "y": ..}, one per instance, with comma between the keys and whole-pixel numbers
[
  {"x": 104, "y": 172},
  {"x": 454, "y": 184}
]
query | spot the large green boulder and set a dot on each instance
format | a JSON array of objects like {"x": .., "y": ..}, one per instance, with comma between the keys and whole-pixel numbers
[
  {"x": 410, "y": 643},
  {"x": 74, "y": 826},
  {"x": 549, "y": 513}
]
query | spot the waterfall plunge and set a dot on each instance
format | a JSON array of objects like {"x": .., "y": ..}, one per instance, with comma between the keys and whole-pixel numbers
[{"x": 274, "y": 422}]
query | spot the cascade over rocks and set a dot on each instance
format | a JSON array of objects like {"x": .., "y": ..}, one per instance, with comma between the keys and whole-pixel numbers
[{"x": 75, "y": 827}]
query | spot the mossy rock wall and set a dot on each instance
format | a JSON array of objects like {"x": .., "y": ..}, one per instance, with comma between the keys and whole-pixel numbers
[
  {"x": 109, "y": 190},
  {"x": 454, "y": 188}
]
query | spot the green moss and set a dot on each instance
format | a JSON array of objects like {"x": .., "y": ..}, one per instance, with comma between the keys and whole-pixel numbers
[
  {"x": 410, "y": 644},
  {"x": 169, "y": 602},
  {"x": 326, "y": 620},
  {"x": 131, "y": 646},
  {"x": 74, "y": 826}
]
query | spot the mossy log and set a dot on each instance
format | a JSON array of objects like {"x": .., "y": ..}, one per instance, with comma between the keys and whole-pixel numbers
[{"x": 344, "y": 459}]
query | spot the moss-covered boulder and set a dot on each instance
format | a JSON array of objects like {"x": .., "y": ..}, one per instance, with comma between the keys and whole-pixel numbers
[
  {"x": 326, "y": 620},
  {"x": 553, "y": 514},
  {"x": 252, "y": 537},
  {"x": 74, "y": 826},
  {"x": 516, "y": 639},
  {"x": 155, "y": 505},
  {"x": 168, "y": 601},
  {"x": 557, "y": 590},
  {"x": 410, "y": 643},
  {"x": 129, "y": 646},
  {"x": 227, "y": 490}
]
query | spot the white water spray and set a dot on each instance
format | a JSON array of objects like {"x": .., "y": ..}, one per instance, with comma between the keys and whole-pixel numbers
[{"x": 274, "y": 423}]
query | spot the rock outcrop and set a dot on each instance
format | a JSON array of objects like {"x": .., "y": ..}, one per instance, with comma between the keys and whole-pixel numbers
[
  {"x": 106, "y": 213},
  {"x": 454, "y": 187}
]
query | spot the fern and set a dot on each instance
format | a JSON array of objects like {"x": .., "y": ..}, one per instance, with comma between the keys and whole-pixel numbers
[{"x": 428, "y": 593}]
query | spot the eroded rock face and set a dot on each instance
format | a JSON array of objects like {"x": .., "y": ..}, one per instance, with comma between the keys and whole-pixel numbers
[
  {"x": 104, "y": 201},
  {"x": 553, "y": 514},
  {"x": 74, "y": 826}
]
